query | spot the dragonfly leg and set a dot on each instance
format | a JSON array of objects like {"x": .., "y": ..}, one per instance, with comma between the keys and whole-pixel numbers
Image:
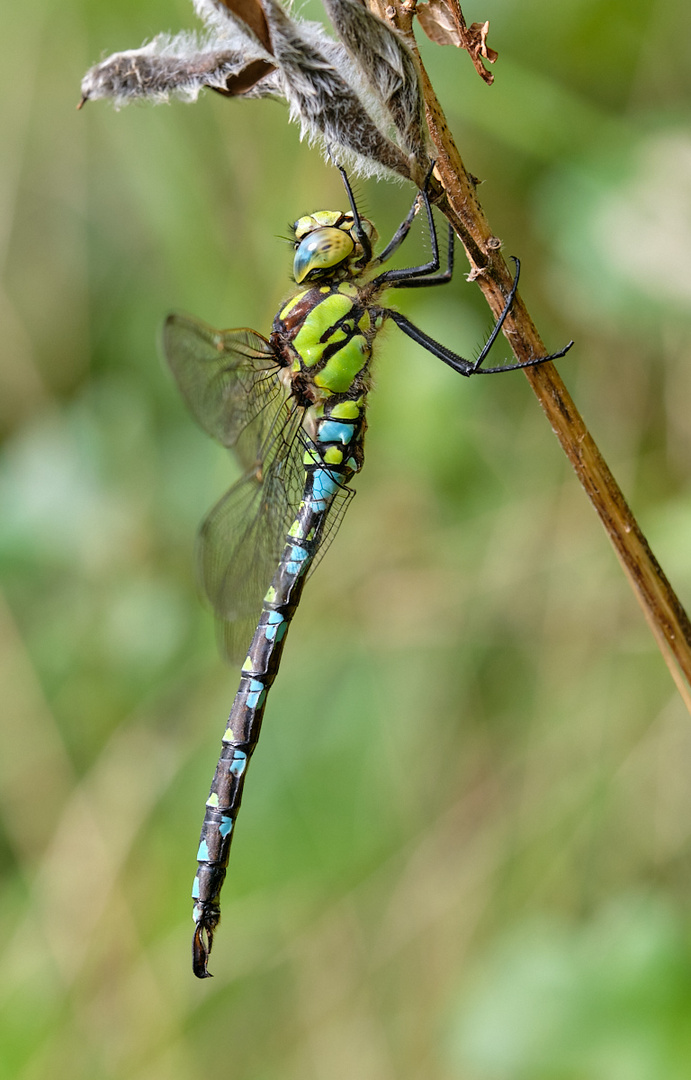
[
  {"x": 399, "y": 236},
  {"x": 404, "y": 228},
  {"x": 432, "y": 279},
  {"x": 477, "y": 368},
  {"x": 401, "y": 279},
  {"x": 410, "y": 277},
  {"x": 459, "y": 363}
]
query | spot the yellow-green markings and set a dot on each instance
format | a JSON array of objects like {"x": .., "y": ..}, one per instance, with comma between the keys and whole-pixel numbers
[
  {"x": 292, "y": 302},
  {"x": 308, "y": 342},
  {"x": 318, "y": 220},
  {"x": 311, "y": 457},
  {"x": 297, "y": 530},
  {"x": 346, "y": 410},
  {"x": 340, "y": 369}
]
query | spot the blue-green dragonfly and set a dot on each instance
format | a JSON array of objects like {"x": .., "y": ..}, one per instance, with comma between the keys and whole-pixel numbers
[{"x": 293, "y": 409}]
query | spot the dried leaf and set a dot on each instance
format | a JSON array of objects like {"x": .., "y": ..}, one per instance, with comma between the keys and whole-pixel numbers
[
  {"x": 478, "y": 35},
  {"x": 444, "y": 24},
  {"x": 438, "y": 22},
  {"x": 252, "y": 81}
]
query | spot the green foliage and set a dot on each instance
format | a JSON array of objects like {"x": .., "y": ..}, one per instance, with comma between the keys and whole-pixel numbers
[{"x": 463, "y": 851}]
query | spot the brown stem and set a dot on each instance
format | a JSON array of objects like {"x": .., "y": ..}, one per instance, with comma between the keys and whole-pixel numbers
[{"x": 666, "y": 616}]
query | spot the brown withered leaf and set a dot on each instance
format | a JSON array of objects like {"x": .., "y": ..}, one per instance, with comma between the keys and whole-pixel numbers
[
  {"x": 437, "y": 20},
  {"x": 444, "y": 24},
  {"x": 251, "y": 13},
  {"x": 477, "y": 33}
]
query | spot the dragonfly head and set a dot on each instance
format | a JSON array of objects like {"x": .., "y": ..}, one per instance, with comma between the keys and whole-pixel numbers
[{"x": 326, "y": 246}]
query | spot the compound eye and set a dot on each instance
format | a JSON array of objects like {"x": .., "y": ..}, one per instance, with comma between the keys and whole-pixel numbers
[{"x": 322, "y": 249}]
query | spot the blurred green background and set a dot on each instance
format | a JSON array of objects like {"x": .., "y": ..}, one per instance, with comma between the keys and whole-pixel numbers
[{"x": 464, "y": 847}]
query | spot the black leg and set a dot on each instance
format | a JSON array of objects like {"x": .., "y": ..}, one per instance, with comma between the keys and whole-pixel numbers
[
  {"x": 404, "y": 228},
  {"x": 425, "y": 276},
  {"x": 459, "y": 363},
  {"x": 434, "y": 279},
  {"x": 400, "y": 278},
  {"x": 399, "y": 236},
  {"x": 412, "y": 277},
  {"x": 505, "y": 311}
]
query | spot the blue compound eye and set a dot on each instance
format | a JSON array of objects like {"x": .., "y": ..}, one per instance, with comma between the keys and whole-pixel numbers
[{"x": 322, "y": 249}]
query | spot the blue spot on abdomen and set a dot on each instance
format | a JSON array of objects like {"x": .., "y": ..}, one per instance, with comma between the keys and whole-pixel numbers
[
  {"x": 274, "y": 623},
  {"x": 332, "y": 431},
  {"x": 256, "y": 694},
  {"x": 239, "y": 763},
  {"x": 324, "y": 484},
  {"x": 297, "y": 559}
]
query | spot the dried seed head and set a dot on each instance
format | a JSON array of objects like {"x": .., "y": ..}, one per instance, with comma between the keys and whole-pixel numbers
[{"x": 345, "y": 95}]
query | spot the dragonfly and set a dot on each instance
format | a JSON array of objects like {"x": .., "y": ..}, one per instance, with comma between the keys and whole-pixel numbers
[{"x": 292, "y": 408}]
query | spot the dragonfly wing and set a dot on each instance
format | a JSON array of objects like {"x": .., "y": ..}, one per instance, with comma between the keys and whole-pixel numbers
[
  {"x": 229, "y": 379},
  {"x": 332, "y": 524},
  {"x": 241, "y": 540}
]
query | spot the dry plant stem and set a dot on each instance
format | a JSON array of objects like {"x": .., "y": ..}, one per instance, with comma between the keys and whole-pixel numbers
[{"x": 662, "y": 608}]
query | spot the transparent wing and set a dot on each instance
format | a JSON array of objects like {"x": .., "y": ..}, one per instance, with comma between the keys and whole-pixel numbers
[
  {"x": 332, "y": 524},
  {"x": 241, "y": 540},
  {"x": 229, "y": 380}
]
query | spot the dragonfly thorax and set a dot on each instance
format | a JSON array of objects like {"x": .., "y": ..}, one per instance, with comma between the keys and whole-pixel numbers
[{"x": 327, "y": 246}]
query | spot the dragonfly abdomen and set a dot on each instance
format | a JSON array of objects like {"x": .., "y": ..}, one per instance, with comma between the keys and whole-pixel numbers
[{"x": 330, "y": 462}]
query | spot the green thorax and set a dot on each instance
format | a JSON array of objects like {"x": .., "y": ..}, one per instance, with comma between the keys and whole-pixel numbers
[{"x": 324, "y": 336}]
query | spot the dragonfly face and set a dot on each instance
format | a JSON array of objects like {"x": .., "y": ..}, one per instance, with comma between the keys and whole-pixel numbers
[{"x": 327, "y": 246}]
